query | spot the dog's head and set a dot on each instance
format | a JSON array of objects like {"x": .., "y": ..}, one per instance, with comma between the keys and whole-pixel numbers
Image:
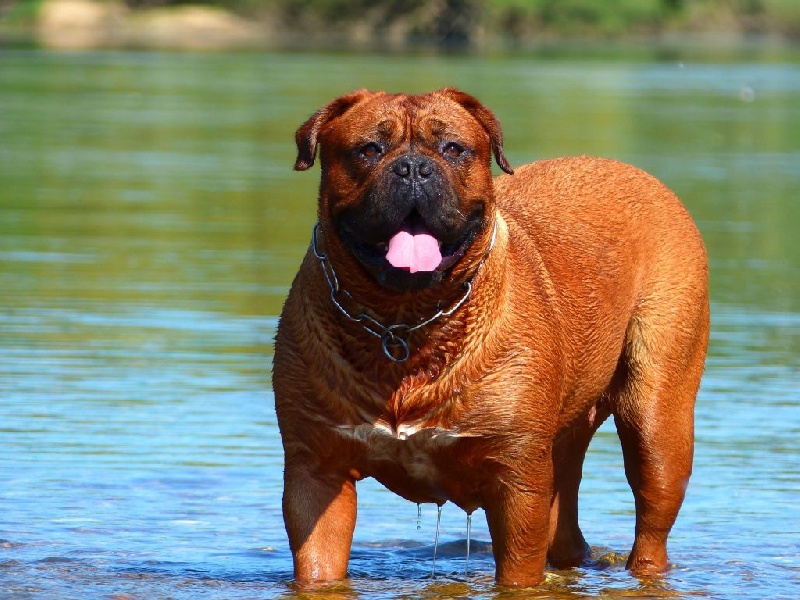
[{"x": 406, "y": 180}]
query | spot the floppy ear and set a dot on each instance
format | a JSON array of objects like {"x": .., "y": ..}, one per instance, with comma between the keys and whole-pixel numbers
[
  {"x": 486, "y": 118},
  {"x": 306, "y": 136}
]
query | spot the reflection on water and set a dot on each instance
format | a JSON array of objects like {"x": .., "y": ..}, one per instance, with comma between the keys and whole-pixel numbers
[{"x": 150, "y": 225}]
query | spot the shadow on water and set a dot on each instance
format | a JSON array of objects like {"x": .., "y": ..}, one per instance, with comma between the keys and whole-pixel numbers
[{"x": 150, "y": 225}]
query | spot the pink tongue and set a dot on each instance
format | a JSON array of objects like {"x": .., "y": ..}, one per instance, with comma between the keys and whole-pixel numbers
[{"x": 418, "y": 252}]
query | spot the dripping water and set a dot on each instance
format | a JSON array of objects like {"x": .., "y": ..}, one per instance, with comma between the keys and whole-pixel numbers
[
  {"x": 419, "y": 516},
  {"x": 436, "y": 539},
  {"x": 469, "y": 536}
]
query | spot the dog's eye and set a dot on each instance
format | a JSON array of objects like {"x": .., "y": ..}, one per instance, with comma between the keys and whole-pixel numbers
[
  {"x": 453, "y": 150},
  {"x": 371, "y": 150}
]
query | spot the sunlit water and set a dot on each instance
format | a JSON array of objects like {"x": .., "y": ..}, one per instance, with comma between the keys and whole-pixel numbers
[{"x": 150, "y": 224}]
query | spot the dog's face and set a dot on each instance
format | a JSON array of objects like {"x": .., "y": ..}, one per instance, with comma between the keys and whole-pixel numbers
[{"x": 406, "y": 183}]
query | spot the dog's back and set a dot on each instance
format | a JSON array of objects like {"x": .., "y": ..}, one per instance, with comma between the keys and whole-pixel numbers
[{"x": 617, "y": 245}]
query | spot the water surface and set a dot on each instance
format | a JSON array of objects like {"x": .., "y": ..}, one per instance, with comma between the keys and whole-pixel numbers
[{"x": 150, "y": 225}]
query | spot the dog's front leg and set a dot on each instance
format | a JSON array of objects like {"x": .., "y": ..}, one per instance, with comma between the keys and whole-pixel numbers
[
  {"x": 319, "y": 509},
  {"x": 518, "y": 518}
]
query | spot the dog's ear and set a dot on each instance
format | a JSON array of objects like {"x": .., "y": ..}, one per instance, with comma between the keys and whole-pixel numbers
[
  {"x": 487, "y": 120},
  {"x": 308, "y": 133}
]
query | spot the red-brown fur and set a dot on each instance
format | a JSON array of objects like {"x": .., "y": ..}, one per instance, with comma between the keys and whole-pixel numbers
[{"x": 592, "y": 302}]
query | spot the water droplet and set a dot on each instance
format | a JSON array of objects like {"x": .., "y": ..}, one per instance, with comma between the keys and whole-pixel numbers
[{"x": 419, "y": 516}]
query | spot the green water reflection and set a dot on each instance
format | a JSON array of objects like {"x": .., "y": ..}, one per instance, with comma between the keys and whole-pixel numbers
[{"x": 144, "y": 177}]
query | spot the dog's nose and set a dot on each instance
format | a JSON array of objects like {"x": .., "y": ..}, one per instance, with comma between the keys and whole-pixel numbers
[{"x": 413, "y": 167}]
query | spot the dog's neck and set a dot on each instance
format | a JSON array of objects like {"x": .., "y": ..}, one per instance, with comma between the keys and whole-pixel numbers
[{"x": 393, "y": 337}]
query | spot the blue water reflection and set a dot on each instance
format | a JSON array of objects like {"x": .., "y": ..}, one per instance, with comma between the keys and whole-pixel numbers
[{"x": 150, "y": 225}]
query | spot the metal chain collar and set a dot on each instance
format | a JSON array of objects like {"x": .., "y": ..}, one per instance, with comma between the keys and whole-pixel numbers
[{"x": 394, "y": 338}]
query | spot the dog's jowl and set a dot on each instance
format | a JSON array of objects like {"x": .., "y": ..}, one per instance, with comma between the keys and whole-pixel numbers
[{"x": 461, "y": 337}]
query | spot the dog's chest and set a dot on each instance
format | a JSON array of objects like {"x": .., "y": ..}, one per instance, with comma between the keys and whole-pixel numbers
[{"x": 422, "y": 464}]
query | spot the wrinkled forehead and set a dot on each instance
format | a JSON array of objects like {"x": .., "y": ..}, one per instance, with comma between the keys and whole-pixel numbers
[{"x": 401, "y": 118}]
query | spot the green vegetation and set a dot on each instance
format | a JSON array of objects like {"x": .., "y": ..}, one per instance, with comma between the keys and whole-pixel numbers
[
  {"x": 20, "y": 12},
  {"x": 469, "y": 23},
  {"x": 473, "y": 21}
]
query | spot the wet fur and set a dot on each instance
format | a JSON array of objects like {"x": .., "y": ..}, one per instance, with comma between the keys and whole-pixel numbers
[{"x": 593, "y": 302}]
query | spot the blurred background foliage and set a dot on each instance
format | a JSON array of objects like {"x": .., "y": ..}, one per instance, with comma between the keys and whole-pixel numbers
[{"x": 470, "y": 23}]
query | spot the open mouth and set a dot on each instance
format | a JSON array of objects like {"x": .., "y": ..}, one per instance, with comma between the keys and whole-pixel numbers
[{"x": 413, "y": 249}]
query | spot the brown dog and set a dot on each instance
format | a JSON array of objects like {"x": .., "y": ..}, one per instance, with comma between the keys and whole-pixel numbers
[{"x": 462, "y": 338}]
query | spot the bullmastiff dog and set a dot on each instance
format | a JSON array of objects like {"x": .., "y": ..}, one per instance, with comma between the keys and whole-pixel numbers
[{"x": 461, "y": 337}]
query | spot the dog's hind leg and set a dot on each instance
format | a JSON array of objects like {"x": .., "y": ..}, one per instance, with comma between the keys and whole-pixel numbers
[
  {"x": 653, "y": 410},
  {"x": 567, "y": 546}
]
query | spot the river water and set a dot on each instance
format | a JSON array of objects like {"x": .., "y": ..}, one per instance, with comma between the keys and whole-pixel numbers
[{"x": 150, "y": 224}]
